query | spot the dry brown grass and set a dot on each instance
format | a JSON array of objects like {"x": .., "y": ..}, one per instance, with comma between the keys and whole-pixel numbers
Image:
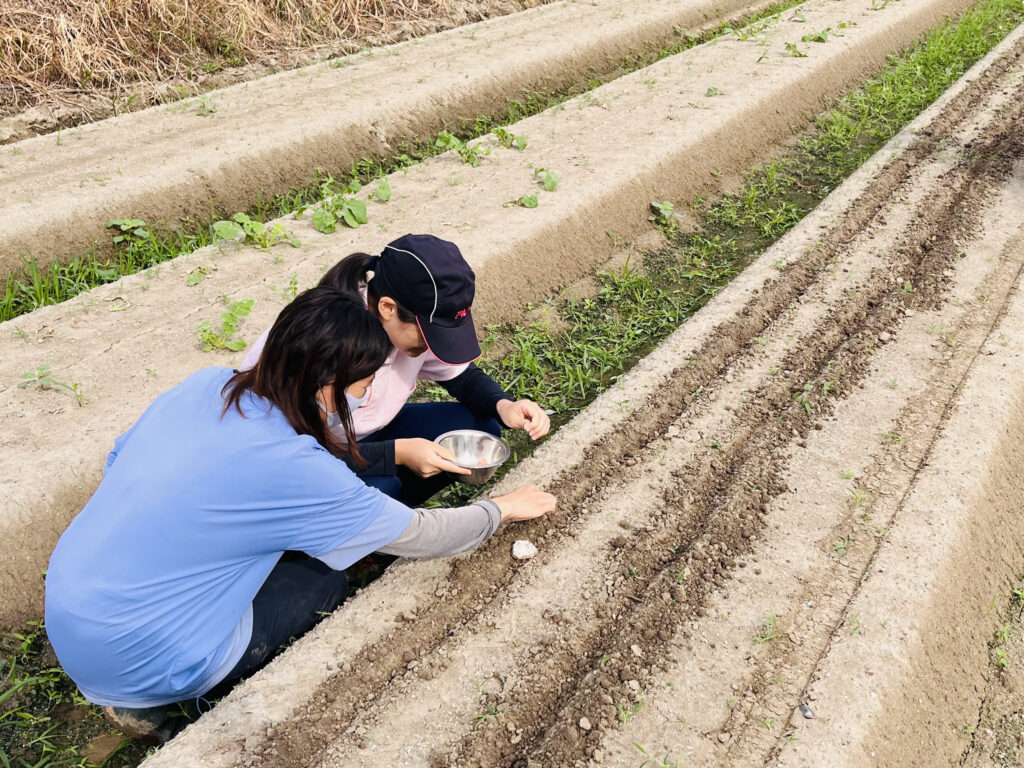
[{"x": 50, "y": 48}]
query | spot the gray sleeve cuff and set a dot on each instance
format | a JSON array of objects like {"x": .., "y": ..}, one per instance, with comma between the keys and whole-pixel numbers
[{"x": 442, "y": 532}]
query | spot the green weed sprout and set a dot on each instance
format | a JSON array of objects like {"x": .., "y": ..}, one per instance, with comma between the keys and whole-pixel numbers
[
  {"x": 470, "y": 155},
  {"x": 383, "y": 191},
  {"x": 510, "y": 140},
  {"x": 664, "y": 216},
  {"x": 816, "y": 37},
  {"x": 132, "y": 231},
  {"x": 256, "y": 232},
  {"x": 41, "y": 379},
  {"x": 548, "y": 178},
  {"x": 221, "y": 338},
  {"x": 769, "y": 630},
  {"x": 792, "y": 50},
  {"x": 338, "y": 206}
]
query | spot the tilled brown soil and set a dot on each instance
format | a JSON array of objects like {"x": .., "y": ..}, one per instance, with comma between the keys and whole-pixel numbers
[{"x": 664, "y": 516}]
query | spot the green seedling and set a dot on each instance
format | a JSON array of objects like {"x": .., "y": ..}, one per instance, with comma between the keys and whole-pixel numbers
[
  {"x": 628, "y": 711},
  {"x": 849, "y": 474},
  {"x": 663, "y": 762},
  {"x": 206, "y": 106},
  {"x": 817, "y": 37},
  {"x": 41, "y": 379},
  {"x": 510, "y": 140},
  {"x": 548, "y": 179},
  {"x": 1000, "y": 657},
  {"x": 195, "y": 277},
  {"x": 792, "y": 50},
  {"x": 713, "y": 91},
  {"x": 221, "y": 338},
  {"x": 853, "y": 626},
  {"x": 256, "y": 232},
  {"x": 528, "y": 201},
  {"x": 665, "y": 218},
  {"x": 842, "y": 546},
  {"x": 480, "y": 718},
  {"x": 290, "y": 291},
  {"x": 769, "y": 630},
  {"x": 131, "y": 231},
  {"x": 470, "y": 155},
  {"x": 859, "y": 497},
  {"x": 383, "y": 191},
  {"x": 346, "y": 210},
  {"x": 804, "y": 397}
]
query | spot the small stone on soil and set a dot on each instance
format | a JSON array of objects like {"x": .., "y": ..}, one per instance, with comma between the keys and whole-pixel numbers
[
  {"x": 806, "y": 712},
  {"x": 585, "y": 724},
  {"x": 523, "y": 549}
]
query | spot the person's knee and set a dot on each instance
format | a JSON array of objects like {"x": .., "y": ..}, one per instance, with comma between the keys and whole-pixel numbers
[{"x": 492, "y": 426}]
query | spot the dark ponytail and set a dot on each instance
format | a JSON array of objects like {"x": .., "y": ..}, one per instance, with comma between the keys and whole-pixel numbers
[
  {"x": 325, "y": 336},
  {"x": 349, "y": 275}
]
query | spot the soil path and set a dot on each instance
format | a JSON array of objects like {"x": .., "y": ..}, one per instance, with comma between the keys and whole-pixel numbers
[
  {"x": 763, "y": 533},
  {"x": 127, "y": 341}
]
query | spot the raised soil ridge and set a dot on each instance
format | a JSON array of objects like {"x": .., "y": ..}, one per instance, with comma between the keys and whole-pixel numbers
[{"x": 233, "y": 146}]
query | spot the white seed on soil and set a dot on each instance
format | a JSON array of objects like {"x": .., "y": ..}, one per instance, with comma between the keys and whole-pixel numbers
[{"x": 523, "y": 549}]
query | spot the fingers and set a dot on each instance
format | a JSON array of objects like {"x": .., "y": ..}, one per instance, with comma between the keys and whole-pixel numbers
[
  {"x": 537, "y": 422},
  {"x": 444, "y": 460}
]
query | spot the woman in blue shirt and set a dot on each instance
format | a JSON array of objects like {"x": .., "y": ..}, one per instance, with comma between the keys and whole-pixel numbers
[{"x": 171, "y": 579}]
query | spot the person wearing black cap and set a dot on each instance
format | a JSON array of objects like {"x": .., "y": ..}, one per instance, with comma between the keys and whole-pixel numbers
[{"x": 422, "y": 290}]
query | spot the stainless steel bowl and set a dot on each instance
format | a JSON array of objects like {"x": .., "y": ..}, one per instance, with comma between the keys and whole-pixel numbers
[{"x": 480, "y": 452}]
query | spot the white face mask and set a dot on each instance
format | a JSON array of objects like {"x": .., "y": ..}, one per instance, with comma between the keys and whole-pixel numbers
[
  {"x": 356, "y": 402},
  {"x": 334, "y": 418}
]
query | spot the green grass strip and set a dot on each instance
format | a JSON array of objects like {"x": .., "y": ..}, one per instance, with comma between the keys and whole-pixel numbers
[{"x": 61, "y": 281}]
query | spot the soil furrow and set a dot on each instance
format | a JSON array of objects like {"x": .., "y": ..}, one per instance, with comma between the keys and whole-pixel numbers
[{"x": 900, "y": 461}]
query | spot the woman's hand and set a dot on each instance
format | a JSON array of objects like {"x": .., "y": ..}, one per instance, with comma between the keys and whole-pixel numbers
[
  {"x": 524, "y": 414},
  {"x": 525, "y": 503},
  {"x": 426, "y": 458}
]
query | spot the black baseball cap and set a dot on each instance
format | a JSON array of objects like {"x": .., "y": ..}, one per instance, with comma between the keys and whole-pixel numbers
[{"x": 428, "y": 276}]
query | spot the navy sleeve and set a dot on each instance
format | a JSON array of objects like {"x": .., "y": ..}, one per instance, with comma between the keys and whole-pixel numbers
[
  {"x": 381, "y": 458},
  {"x": 477, "y": 391}
]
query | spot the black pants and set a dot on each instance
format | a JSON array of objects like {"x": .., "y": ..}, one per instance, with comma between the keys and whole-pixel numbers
[{"x": 298, "y": 593}]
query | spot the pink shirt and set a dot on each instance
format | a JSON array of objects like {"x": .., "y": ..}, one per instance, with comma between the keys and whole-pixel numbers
[{"x": 391, "y": 387}]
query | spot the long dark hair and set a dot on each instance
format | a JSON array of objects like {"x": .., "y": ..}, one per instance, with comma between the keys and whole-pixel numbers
[
  {"x": 326, "y": 336},
  {"x": 349, "y": 275}
]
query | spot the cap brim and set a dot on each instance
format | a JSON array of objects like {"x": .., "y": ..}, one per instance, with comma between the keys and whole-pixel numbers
[{"x": 452, "y": 346}]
